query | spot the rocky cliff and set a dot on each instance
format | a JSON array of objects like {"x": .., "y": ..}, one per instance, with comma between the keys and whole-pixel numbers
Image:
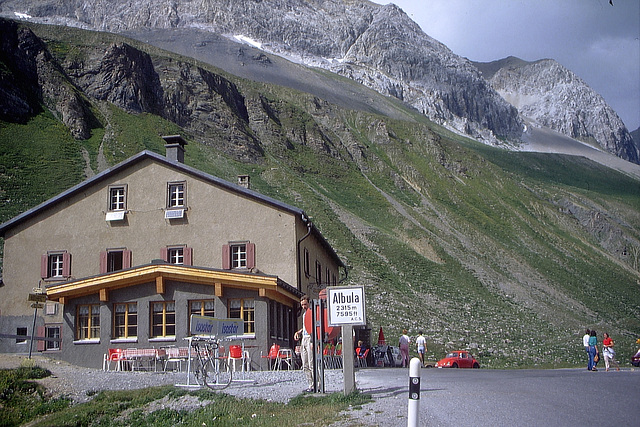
[
  {"x": 378, "y": 46},
  {"x": 552, "y": 96}
]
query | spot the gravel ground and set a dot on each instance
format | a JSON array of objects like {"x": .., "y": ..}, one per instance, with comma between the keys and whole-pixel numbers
[{"x": 81, "y": 384}]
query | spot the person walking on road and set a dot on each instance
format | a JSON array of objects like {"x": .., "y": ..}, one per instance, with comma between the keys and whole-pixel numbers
[
  {"x": 403, "y": 343},
  {"x": 609, "y": 353},
  {"x": 593, "y": 351},
  {"x": 585, "y": 342},
  {"x": 421, "y": 343},
  {"x": 306, "y": 346}
]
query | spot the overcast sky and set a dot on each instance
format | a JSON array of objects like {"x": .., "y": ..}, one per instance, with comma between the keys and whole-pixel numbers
[{"x": 598, "y": 42}]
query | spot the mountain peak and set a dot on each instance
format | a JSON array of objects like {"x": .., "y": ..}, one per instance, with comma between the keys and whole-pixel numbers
[{"x": 551, "y": 95}]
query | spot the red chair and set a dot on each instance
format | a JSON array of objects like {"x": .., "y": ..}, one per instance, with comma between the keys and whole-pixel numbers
[
  {"x": 274, "y": 351},
  {"x": 235, "y": 354},
  {"x": 114, "y": 355}
]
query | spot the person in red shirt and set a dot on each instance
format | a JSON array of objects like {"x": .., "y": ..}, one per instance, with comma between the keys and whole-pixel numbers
[{"x": 608, "y": 352}]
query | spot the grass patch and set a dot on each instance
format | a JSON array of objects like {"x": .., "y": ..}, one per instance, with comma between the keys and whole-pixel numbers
[
  {"x": 22, "y": 399},
  {"x": 142, "y": 407}
]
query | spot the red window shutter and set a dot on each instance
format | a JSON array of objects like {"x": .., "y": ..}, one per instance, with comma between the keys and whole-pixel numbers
[
  {"x": 251, "y": 255},
  {"x": 103, "y": 262},
  {"x": 226, "y": 257},
  {"x": 187, "y": 257},
  {"x": 126, "y": 259},
  {"x": 44, "y": 264},
  {"x": 66, "y": 264},
  {"x": 164, "y": 254},
  {"x": 40, "y": 334}
]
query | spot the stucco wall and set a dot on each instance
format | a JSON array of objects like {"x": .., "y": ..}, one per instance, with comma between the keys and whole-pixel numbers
[{"x": 214, "y": 217}]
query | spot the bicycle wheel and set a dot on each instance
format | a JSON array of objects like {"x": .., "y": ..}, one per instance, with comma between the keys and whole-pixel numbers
[
  {"x": 198, "y": 371},
  {"x": 217, "y": 374}
]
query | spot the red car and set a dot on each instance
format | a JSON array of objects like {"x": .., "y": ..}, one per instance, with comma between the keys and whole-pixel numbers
[{"x": 458, "y": 359}]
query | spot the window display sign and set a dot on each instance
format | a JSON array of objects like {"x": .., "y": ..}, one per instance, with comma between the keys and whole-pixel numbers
[{"x": 346, "y": 305}]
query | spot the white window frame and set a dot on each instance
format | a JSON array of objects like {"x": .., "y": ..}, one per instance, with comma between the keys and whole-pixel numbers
[
  {"x": 238, "y": 255},
  {"x": 175, "y": 255},
  {"x": 176, "y": 194},
  {"x": 117, "y": 198},
  {"x": 55, "y": 264},
  {"x": 52, "y": 345}
]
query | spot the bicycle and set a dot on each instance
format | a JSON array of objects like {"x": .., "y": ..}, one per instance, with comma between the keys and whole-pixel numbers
[{"x": 210, "y": 370}]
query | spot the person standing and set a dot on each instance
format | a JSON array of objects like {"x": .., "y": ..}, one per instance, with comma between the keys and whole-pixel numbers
[
  {"x": 403, "y": 343},
  {"x": 421, "y": 343},
  {"x": 306, "y": 346},
  {"x": 593, "y": 351},
  {"x": 585, "y": 342},
  {"x": 609, "y": 353}
]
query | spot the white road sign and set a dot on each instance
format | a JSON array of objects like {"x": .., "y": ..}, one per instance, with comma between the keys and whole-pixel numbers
[{"x": 345, "y": 305}]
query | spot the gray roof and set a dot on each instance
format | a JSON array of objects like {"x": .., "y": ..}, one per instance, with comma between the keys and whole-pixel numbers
[{"x": 146, "y": 154}]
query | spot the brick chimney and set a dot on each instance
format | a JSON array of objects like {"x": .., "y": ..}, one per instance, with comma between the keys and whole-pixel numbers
[{"x": 175, "y": 148}]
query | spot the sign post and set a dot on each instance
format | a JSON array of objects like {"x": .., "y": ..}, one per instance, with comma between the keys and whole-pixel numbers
[
  {"x": 346, "y": 308},
  {"x": 414, "y": 392},
  {"x": 38, "y": 297}
]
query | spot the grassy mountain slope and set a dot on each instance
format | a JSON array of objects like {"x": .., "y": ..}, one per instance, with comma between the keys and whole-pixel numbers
[{"x": 508, "y": 254}]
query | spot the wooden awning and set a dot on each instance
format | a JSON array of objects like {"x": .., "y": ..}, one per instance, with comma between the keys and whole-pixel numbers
[{"x": 267, "y": 286}]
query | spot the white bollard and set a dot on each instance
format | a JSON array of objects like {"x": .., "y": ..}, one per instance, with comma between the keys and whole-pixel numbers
[{"x": 414, "y": 392}]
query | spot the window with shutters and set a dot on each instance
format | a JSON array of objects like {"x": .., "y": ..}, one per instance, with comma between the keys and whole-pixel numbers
[
  {"x": 114, "y": 260},
  {"x": 176, "y": 255},
  {"x": 125, "y": 320},
  {"x": 117, "y": 198},
  {"x": 56, "y": 265},
  {"x": 180, "y": 255},
  {"x": 239, "y": 255},
  {"x": 163, "y": 319},
  {"x": 243, "y": 309},
  {"x": 88, "y": 322}
]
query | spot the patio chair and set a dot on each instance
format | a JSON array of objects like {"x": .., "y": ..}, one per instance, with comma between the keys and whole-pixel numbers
[
  {"x": 285, "y": 355},
  {"x": 114, "y": 355},
  {"x": 272, "y": 356},
  {"x": 235, "y": 354}
]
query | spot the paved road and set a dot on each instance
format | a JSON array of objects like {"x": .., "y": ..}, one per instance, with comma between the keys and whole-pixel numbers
[{"x": 473, "y": 397}]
